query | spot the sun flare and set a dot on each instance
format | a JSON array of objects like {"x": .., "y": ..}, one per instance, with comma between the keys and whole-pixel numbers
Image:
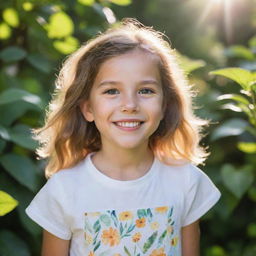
[{"x": 226, "y": 6}]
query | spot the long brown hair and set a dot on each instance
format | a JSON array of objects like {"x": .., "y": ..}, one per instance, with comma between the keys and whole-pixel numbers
[{"x": 66, "y": 138}]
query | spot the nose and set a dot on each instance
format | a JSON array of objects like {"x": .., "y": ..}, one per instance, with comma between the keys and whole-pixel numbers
[{"x": 129, "y": 104}]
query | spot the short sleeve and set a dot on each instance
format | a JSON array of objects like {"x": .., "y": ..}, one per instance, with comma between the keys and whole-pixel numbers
[
  {"x": 201, "y": 195},
  {"x": 47, "y": 209}
]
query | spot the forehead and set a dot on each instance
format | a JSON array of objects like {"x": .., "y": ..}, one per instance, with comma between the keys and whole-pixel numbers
[{"x": 133, "y": 65}]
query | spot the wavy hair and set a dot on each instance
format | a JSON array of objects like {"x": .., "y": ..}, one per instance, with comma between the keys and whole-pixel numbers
[{"x": 66, "y": 137}]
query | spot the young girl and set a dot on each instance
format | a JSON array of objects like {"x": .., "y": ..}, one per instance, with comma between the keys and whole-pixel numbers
[{"x": 121, "y": 138}]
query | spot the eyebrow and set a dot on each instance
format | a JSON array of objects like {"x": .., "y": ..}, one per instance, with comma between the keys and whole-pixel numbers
[{"x": 110, "y": 82}]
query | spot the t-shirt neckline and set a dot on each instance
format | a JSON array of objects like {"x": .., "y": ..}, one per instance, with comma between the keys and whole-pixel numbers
[{"x": 103, "y": 178}]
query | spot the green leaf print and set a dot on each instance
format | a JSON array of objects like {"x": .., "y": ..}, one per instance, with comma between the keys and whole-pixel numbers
[
  {"x": 95, "y": 239},
  {"x": 105, "y": 253},
  {"x": 114, "y": 218},
  {"x": 126, "y": 251},
  {"x": 149, "y": 242},
  {"x": 161, "y": 238},
  {"x": 149, "y": 213},
  {"x": 87, "y": 226},
  {"x": 97, "y": 246},
  {"x": 170, "y": 212},
  {"x": 121, "y": 229},
  {"x": 96, "y": 226},
  {"x": 141, "y": 213},
  {"x": 131, "y": 228},
  {"x": 105, "y": 219}
]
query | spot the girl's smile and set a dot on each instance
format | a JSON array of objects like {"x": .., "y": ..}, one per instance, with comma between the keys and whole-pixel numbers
[{"x": 126, "y": 100}]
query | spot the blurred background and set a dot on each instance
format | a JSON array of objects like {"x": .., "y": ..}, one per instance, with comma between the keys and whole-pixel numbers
[{"x": 216, "y": 44}]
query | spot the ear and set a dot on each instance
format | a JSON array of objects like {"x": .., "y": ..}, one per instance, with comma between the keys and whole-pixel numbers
[{"x": 86, "y": 110}]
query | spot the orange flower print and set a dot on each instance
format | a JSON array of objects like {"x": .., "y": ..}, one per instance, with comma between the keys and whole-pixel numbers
[
  {"x": 117, "y": 254},
  {"x": 158, "y": 252},
  {"x": 110, "y": 237},
  {"x": 91, "y": 254},
  {"x": 140, "y": 223},
  {"x": 162, "y": 209},
  {"x": 154, "y": 225},
  {"x": 136, "y": 237},
  {"x": 88, "y": 238},
  {"x": 174, "y": 241},
  {"x": 123, "y": 216},
  {"x": 170, "y": 229}
]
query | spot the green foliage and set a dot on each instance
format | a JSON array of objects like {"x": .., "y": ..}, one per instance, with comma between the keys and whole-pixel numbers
[
  {"x": 35, "y": 37},
  {"x": 11, "y": 244},
  {"x": 238, "y": 172}
]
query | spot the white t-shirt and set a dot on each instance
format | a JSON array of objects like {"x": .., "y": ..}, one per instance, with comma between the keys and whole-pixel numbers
[{"x": 103, "y": 216}]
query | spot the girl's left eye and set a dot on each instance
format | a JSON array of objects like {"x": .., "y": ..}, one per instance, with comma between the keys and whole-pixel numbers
[{"x": 146, "y": 91}]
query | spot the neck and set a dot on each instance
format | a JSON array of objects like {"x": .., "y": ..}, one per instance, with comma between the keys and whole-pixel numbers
[{"x": 124, "y": 164}]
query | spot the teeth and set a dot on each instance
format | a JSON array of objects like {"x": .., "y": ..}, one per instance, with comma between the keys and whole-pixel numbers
[{"x": 128, "y": 124}]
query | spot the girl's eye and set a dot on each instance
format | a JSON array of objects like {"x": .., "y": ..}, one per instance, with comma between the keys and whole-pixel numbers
[
  {"x": 111, "y": 91},
  {"x": 146, "y": 91}
]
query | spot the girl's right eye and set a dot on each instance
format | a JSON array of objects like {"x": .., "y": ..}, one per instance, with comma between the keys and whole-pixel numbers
[{"x": 111, "y": 91}]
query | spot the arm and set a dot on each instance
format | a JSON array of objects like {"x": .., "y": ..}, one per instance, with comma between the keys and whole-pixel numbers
[
  {"x": 191, "y": 239},
  {"x": 54, "y": 246}
]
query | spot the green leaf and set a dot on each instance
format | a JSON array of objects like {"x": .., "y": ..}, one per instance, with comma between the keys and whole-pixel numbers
[
  {"x": 24, "y": 197},
  {"x": 232, "y": 107},
  {"x": 252, "y": 42},
  {"x": 251, "y": 230},
  {"x": 232, "y": 127},
  {"x": 11, "y": 112},
  {"x": 237, "y": 181},
  {"x": 235, "y": 97},
  {"x": 189, "y": 65},
  {"x": 21, "y": 135},
  {"x": 161, "y": 238},
  {"x": 13, "y": 95},
  {"x": 141, "y": 213},
  {"x": 7, "y": 203},
  {"x": 5, "y": 31},
  {"x": 127, "y": 251},
  {"x": 66, "y": 46},
  {"x": 39, "y": 62},
  {"x": 22, "y": 169},
  {"x": 121, "y": 2},
  {"x": 12, "y": 53},
  {"x": 86, "y": 2},
  {"x": 11, "y": 17},
  {"x": 2, "y": 145},
  {"x": 4, "y": 133},
  {"x": 242, "y": 76},
  {"x": 247, "y": 147},
  {"x": 149, "y": 242},
  {"x": 60, "y": 25},
  {"x": 11, "y": 244},
  {"x": 27, "y": 6},
  {"x": 96, "y": 226},
  {"x": 239, "y": 51},
  {"x": 32, "y": 85},
  {"x": 105, "y": 219}
]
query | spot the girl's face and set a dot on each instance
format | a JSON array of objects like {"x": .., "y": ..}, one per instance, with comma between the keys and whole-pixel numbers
[{"x": 126, "y": 101}]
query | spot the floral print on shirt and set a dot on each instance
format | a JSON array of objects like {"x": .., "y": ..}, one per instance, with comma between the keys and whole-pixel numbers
[{"x": 139, "y": 232}]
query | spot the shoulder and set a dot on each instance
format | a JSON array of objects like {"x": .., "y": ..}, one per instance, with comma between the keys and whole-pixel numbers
[
  {"x": 183, "y": 170},
  {"x": 68, "y": 176},
  {"x": 186, "y": 174}
]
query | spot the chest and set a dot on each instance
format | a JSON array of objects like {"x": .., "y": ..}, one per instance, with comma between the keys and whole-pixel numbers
[{"x": 144, "y": 222}]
